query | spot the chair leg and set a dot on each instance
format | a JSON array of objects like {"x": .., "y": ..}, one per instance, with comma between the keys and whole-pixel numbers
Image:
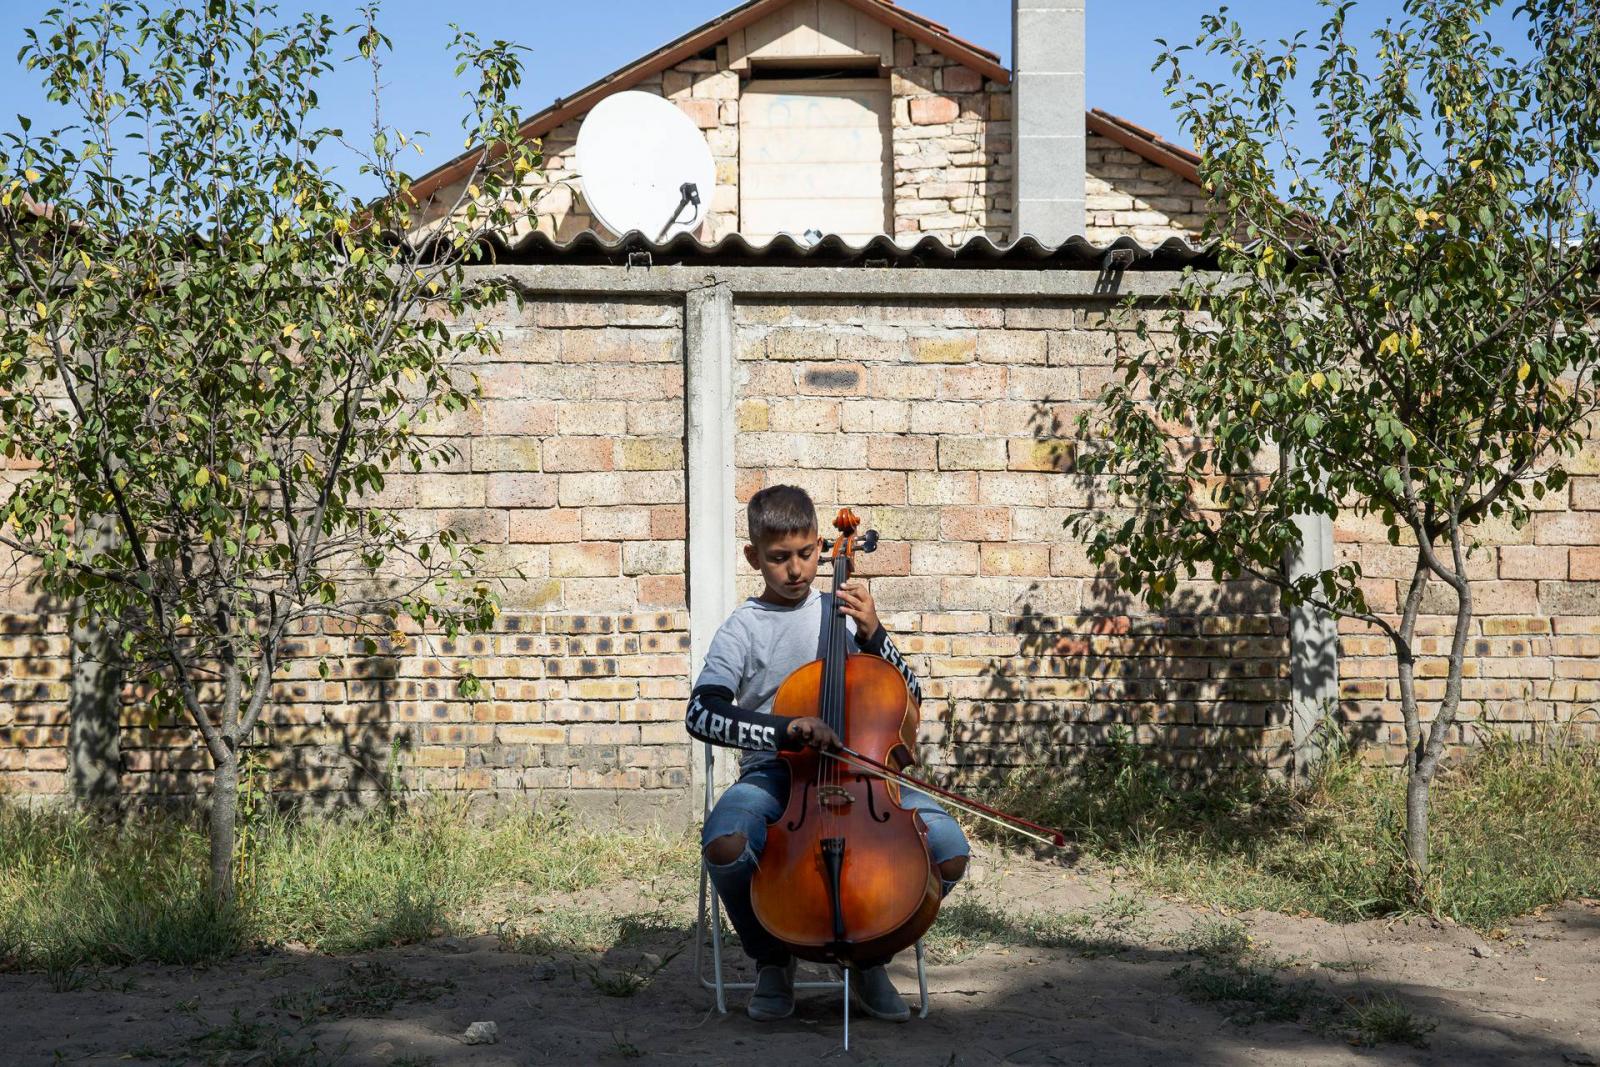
[
  {"x": 708, "y": 910},
  {"x": 716, "y": 952},
  {"x": 708, "y": 892},
  {"x": 846, "y": 972},
  {"x": 922, "y": 980}
]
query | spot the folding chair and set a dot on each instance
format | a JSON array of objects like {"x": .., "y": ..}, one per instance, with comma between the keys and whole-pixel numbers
[{"x": 710, "y": 918}]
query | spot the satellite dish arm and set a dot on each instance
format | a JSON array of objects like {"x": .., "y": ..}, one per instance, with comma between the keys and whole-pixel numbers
[{"x": 690, "y": 197}]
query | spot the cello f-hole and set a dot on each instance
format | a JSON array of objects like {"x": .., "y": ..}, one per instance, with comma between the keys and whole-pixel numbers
[
  {"x": 872, "y": 807},
  {"x": 795, "y": 824}
]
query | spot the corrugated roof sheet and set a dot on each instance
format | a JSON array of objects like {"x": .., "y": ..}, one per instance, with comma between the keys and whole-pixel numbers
[{"x": 1076, "y": 253}]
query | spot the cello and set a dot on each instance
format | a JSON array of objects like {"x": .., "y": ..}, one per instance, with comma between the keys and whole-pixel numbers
[{"x": 846, "y": 876}]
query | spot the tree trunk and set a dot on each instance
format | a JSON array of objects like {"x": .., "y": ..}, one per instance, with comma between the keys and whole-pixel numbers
[
  {"x": 1423, "y": 762},
  {"x": 224, "y": 811},
  {"x": 94, "y": 694},
  {"x": 1417, "y": 785}
]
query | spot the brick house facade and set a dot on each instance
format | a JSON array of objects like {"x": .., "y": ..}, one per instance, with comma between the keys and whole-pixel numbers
[{"x": 949, "y": 161}]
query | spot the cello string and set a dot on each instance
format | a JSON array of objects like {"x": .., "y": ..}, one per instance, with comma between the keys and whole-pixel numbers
[
  {"x": 823, "y": 767},
  {"x": 835, "y": 680}
]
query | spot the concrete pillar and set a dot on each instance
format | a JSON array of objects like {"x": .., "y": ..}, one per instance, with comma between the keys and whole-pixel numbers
[
  {"x": 1048, "y": 105},
  {"x": 1313, "y": 644},
  {"x": 709, "y": 424}
]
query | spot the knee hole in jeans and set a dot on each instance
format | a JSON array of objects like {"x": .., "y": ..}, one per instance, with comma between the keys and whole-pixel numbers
[{"x": 724, "y": 850}]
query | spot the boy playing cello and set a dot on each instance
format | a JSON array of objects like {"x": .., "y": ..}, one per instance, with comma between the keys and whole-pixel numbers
[{"x": 764, "y": 641}]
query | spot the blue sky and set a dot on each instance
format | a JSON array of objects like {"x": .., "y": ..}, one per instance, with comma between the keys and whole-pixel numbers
[{"x": 573, "y": 43}]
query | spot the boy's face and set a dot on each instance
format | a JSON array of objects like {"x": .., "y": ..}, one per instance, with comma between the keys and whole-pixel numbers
[{"x": 788, "y": 564}]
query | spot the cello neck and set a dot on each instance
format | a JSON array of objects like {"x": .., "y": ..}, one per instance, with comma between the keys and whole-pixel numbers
[{"x": 834, "y": 659}]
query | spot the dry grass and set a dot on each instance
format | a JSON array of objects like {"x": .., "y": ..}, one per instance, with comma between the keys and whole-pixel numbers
[{"x": 1515, "y": 827}]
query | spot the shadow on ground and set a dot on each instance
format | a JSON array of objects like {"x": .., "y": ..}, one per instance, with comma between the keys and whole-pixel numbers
[{"x": 1009, "y": 984}]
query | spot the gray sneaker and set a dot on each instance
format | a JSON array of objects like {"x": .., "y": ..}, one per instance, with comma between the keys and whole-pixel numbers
[
  {"x": 876, "y": 995},
  {"x": 773, "y": 997}
]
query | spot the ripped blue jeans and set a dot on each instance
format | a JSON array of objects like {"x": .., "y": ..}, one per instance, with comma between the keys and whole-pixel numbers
[{"x": 757, "y": 799}]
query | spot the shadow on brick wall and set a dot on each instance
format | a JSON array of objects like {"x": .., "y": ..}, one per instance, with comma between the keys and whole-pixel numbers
[
  {"x": 301, "y": 757},
  {"x": 1201, "y": 684}
]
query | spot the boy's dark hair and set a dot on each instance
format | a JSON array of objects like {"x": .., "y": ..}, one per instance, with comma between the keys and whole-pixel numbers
[{"x": 779, "y": 510}]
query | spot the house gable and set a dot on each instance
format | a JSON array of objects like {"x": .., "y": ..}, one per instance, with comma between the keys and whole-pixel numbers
[{"x": 946, "y": 156}]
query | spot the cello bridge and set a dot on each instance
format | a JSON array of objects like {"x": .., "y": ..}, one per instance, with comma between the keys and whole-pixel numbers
[{"x": 834, "y": 796}]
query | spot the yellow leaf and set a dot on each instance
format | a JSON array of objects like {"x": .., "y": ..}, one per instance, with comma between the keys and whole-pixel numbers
[
  {"x": 1421, "y": 217},
  {"x": 1416, "y": 338},
  {"x": 1318, "y": 380},
  {"x": 31, "y": 174},
  {"x": 202, "y": 476},
  {"x": 288, "y": 329},
  {"x": 1523, "y": 371},
  {"x": 185, "y": 619},
  {"x": 41, "y": 309},
  {"x": 1255, "y": 408},
  {"x": 1475, "y": 164},
  {"x": 1389, "y": 344},
  {"x": 472, "y": 192},
  {"x": 309, "y": 463}
]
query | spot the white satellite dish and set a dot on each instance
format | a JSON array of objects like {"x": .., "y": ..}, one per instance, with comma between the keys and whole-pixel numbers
[{"x": 644, "y": 166}]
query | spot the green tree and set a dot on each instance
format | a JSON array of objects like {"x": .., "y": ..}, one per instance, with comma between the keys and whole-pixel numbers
[
  {"x": 1404, "y": 309},
  {"x": 206, "y": 338}
]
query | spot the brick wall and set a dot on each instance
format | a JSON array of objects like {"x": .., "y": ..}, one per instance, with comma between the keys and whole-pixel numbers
[
  {"x": 936, "y": 424},
  {"x": 952, "y": 147},
  {"x": 941, "y": 421},
  {"x": 1127, "y": 195},
  {"x": 571, "y": 471}
]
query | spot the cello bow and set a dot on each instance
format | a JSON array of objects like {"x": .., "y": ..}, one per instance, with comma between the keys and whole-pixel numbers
[{"x": 1015, "y": 823}]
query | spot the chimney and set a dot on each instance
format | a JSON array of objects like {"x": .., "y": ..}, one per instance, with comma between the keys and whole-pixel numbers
[{"x": 1047, "y": 101}]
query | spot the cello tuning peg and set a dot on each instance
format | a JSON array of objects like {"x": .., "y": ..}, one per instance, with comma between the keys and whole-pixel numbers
[{"x": 867, "y": 542}]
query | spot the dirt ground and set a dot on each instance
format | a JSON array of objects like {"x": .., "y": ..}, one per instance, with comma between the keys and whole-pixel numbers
[{"x": 1112, "y": 989}]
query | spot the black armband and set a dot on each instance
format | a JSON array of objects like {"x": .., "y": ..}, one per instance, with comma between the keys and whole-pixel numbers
[
  {"x": 884, "y": 649},
  {"x": 713, "y": 717}
]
